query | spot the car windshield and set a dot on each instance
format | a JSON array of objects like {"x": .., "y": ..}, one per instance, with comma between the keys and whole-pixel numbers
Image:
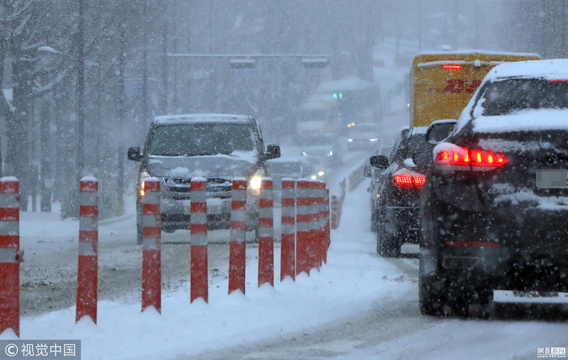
[
  {"x": 286, "y": 168},
  {"x": 200, "y": 139},
  {"x": 512, "y": 95}
]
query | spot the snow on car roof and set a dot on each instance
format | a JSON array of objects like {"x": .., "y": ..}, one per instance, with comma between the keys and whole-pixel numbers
[
  {"x": 526, "y": 120},
  {"x": 419, "y": 130},
  {"x": 186, "y": 118},
  {"x": 552, "y": 69}
]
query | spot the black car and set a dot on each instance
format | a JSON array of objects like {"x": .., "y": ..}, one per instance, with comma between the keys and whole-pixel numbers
[
  {"x": 376, "y": 179},
  {"x": 398, "y": 193},
  {"x": 495, "y": 201}
]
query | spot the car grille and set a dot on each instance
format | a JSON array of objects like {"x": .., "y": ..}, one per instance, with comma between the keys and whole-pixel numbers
[{"x": 216, "y": 187}]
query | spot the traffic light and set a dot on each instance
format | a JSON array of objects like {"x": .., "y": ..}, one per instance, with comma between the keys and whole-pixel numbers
[{"x": 337, "y": 95}]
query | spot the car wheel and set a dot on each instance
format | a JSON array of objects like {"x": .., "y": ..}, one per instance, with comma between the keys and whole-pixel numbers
[
  {"x": 430, "y": 297},
  {"x": 387, "y": 245},
  {"x": 374, "y": 220}
]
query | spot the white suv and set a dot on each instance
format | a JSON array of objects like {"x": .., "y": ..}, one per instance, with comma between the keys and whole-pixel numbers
[{"x": 214, "y": 146}]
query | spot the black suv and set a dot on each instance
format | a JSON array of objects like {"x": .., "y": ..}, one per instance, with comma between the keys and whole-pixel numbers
[
  {"x": 214, "y": 146},
  {"x": 495, "y": 203}
]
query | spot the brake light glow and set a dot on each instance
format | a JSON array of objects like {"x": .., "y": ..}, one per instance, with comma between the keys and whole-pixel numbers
[
  {"x": 450, "y": 154},
  {"x": 408, "y": 179},
  {"x": 455, "y": 155},
  {"x": 452, "y": 66}
]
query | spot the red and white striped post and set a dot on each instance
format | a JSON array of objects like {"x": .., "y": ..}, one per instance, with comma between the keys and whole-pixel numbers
[
  {"x": 266, "y": 234},
  {"x": 319, "y": 227},
  {"x": 9, "y": 255},
  {"x": 327, "y": 227},
  {"x": 288, "y": 231},
  {"x": 199, "y": 266},
  {"x": 304, "y": 221},
  {"x": 151, "y": 246},
  {"x": 88, "y": 249},
  {"x": 237, "y": 257}
]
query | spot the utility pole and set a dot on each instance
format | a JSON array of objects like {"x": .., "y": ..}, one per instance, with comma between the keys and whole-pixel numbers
[
  {"x": 80, "y": 63},
  {"x": 145, "y": 116},
  {"x": 164, "y": 94},
  {"x": 121, "y": 118}
]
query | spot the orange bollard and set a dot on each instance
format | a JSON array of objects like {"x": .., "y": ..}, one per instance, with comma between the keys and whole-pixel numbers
[
  {"x": 151, "y": 246},
  {"x": 320, "y": 193},
  {"x": 199, "y": 266},
  {"x": 266, "y": 234},
  {"x": 327, "y": 226},
  {"x": 237, "y": 255},
  {"x": 305, "y": 213},
  {"x": 87, "y": 277},
  {"x": 288, "y": 233},
  {"x": 9, "y": 255}
]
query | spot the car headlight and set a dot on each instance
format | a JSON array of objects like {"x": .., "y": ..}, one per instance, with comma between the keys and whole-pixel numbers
[
  {"x": 330, "y": 153},
  {"x": 321, "y": 173},
  {"x": 350, "y": 140},
  {"x": 374, "y": 139},
  {"x": 314, "y": 177},
  {"x": 304, "y": 153},
  {"x": 256, "y": 182},
  {"x": 143, "y": 178}
]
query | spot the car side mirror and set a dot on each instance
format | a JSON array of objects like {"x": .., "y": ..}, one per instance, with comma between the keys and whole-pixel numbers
[
  {"x": 439, "y": 130},
  {"x": 379, "y": 161},
  {"x": 134, "y": 154},
  {"x": 422, "y": 158},
  {"x": 272, "y": 152}
]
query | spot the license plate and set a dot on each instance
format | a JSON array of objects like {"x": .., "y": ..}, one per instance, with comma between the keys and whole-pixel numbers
[{"x": 552, "y": 179}]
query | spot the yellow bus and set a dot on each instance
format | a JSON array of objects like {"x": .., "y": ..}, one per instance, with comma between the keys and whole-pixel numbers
[{"x": 442, "y": 83}]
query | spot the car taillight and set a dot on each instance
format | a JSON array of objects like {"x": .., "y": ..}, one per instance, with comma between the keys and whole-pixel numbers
[
  {"x": 467, "y": 159},
  {"x": 408, "y": 179},
  {"x": 452, "y": 66}
]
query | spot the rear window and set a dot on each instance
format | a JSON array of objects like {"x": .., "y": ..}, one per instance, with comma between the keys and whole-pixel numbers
[
  {"x": 200, "y": 139},
  {"x": 414, "y": 143},
  {"x": 513, "y": 95}
]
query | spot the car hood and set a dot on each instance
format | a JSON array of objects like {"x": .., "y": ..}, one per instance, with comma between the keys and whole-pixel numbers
[{"x": 203, "y": 166}]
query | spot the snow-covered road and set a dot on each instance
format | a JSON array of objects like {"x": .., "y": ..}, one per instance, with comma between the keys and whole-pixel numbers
[{"x": 359, "y": 306}]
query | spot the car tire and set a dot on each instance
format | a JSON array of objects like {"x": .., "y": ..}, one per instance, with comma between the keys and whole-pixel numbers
[
  {"x": 374, "y": 220},
  {"x": 387, "y": 245},
  {"x": 430, "y": 299}
]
